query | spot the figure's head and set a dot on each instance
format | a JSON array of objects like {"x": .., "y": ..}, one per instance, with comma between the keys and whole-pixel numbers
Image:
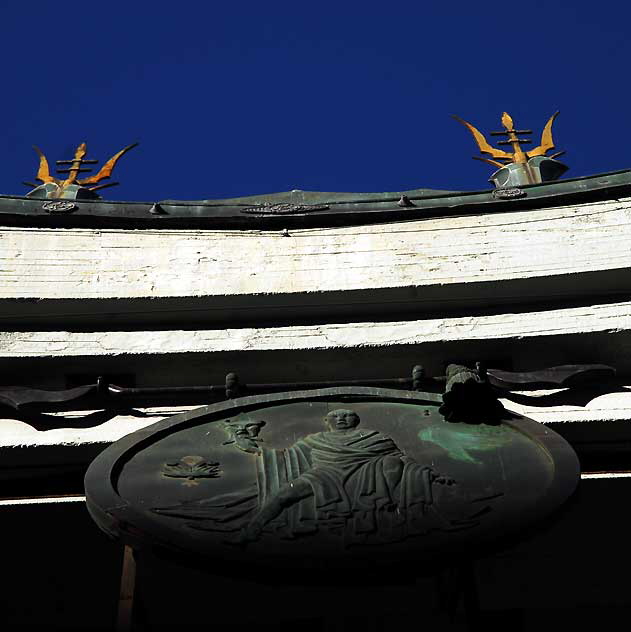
[
  {"x": 244, "y": 433},
  {"x": 243, "y": 427},
  {"x": 342, "y": 419}
]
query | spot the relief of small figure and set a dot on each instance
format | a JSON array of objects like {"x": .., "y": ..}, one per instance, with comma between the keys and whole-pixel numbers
[{"x": 244, "y": 434}]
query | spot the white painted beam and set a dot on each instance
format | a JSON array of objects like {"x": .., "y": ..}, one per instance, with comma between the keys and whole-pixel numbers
[
  {"x": 88, "y": 263},
  {"x": 615, "y": 317}
]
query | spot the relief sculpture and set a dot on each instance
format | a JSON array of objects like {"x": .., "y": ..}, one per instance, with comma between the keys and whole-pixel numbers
[
  {"x": 345, "y": 481},
  {"x": 317, "y": 482},
  {"x": 191, "y": 468}
]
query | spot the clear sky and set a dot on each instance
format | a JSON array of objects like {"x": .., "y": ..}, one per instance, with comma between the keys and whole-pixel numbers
[{"x": 237, "y": 98}]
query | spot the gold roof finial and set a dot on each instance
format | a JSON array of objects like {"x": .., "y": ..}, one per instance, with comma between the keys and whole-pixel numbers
[
  {"x": 500, "y": 158},
  {"x": 76, "y": 167}
]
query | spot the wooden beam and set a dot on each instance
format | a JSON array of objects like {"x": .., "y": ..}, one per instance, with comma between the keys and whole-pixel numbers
[{"x": 127, "y": 587}]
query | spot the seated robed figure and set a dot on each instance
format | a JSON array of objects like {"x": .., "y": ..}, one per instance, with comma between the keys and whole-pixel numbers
[
  {"x": 352, "y": 481},
  {"x": 345, "y": 481}
]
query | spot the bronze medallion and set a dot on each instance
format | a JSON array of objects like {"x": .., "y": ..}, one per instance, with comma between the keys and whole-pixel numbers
[{"x": 346, "y": 477}]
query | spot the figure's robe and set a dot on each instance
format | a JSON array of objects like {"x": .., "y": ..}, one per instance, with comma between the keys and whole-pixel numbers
[{"x": 364, "y": 489}]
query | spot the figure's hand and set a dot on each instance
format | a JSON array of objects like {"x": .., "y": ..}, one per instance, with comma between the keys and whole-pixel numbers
[
  {"x": 252, "y": 532},
  {"x": 443, "y": 480}
]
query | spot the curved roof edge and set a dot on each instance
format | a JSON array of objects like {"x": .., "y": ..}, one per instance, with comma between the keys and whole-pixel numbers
[{"x": 295, "y": 209}]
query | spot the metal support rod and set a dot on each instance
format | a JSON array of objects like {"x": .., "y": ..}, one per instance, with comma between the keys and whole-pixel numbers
[
  {"x": 264, "y": 388},
  {"x": 104, "y": 395},
  {"x": 122, "y": 397}
]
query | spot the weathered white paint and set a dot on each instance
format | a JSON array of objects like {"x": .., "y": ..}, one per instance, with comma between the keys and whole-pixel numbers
[
  {"x": 607, "y": 407},
  {"x": 595, "y": 318},
  {"x": 85, "y": 263},
  {"x": 82, "y": 263},
  {"x": 45, "y": 500},
  {"x": 17, "y": 433},
  {"x": 607, "y": 475}
]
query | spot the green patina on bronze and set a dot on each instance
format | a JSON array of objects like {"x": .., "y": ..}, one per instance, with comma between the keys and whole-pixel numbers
[
  {"x": 340, "y": 478},
  {"x": 461, "y": 442}
]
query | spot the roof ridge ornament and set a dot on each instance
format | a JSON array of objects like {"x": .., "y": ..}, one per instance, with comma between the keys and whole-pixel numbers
[
  {"x": 519, "y": 167},
  {"x": 72, "y": 187}
]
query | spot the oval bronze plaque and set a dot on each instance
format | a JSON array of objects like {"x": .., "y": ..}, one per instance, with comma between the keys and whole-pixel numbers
[{"x": 345, "y": 477}]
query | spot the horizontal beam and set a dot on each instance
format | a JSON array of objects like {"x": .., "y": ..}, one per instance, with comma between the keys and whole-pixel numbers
[{"x": 450, "y": 265}]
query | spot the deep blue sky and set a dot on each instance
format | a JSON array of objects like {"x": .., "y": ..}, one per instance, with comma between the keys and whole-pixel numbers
[{"x": 237, "y": 98}]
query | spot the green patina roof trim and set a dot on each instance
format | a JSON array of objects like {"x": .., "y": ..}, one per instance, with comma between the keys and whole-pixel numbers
[{"x": 309, "y": 208}]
